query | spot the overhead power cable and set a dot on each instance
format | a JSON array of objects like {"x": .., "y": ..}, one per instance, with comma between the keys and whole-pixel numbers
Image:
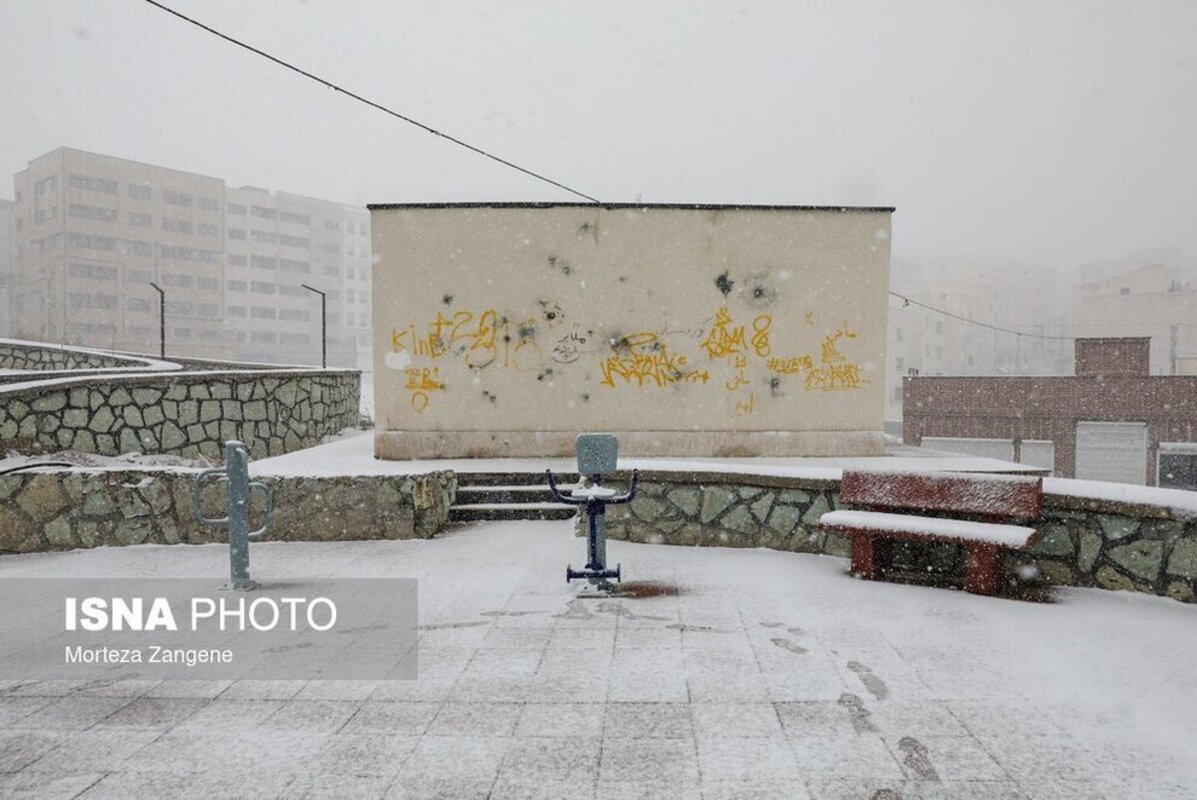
[
  {"x": 907, "y": 301},
  {"x": 367, "y": 101}
]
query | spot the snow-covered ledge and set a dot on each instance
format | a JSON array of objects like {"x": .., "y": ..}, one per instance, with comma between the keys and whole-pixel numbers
[
  {"x": 1110, "y": 536},
  {"x": 63, "y": 509}
]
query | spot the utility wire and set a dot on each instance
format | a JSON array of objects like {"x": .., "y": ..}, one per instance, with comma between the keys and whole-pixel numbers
[
  {"x": 908, "y": 302},
  {"x": 371, "y": 103}
]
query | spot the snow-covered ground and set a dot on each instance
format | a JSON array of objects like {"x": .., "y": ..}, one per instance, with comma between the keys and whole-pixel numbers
[{"x": 755, "y": 674}]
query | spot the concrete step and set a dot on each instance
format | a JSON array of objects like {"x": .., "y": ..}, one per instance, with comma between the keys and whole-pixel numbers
[
  {"x": 493, "y": 495},
  {"x": 470, "y": 512},
  {"x": 513, "y": 478}
]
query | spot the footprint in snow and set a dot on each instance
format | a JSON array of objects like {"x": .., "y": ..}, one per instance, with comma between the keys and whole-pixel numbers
[
  {"x": 786, "y": 644},
  {"x": 917, "y": 759},
  {"x": 875, "y": 685}
]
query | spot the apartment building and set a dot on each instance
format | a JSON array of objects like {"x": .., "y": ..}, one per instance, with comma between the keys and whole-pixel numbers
[
  {"x": 93, "y": 233},
  {"x": 1149, "y": 293},
  {"x": 6, "y": 251},
  {"x": 999, "y": 294}
]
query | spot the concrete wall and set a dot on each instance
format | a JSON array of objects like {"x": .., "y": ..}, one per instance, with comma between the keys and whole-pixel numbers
[
  {"x": 61, "y": 510},
  {"x": 185, "y": 414},
  {"x": 1083, "y": 542},
  {"x": 504, "y": 330}
]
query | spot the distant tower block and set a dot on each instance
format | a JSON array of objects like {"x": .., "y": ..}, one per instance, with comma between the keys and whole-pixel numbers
[{"x": 505, "y": 329}]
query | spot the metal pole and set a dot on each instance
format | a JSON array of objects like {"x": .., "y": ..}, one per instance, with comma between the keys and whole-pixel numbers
[
  {"x": 323, "y": 324},
  {"x": 161, "y": 320}
]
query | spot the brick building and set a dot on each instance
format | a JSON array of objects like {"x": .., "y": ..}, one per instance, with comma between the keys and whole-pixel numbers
[{"x": 1111, "y": 421}]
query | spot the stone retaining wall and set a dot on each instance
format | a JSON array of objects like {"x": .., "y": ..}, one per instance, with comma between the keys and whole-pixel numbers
[
  {"x": 185, "y": 414},
  {"x": 42, "y": 357},
  {"x": 1082, "y": 543},
  {"x": 65, "y": 509}
]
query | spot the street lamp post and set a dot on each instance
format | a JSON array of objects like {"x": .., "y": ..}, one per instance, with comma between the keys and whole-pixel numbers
[
  {"x": 161, "y": 320},
  {"x": 323, "y": 324}
]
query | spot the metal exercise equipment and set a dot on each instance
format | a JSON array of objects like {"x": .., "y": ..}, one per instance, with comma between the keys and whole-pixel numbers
[
  {"x": 236, "y": 474},
  {"x": 597, "y": 454}
]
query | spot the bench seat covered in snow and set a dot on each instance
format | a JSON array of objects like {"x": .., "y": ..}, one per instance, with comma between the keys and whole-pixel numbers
[{"x": 993, "y": 501}]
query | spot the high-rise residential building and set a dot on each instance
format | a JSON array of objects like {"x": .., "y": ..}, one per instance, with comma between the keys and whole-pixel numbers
[
  {"x": 7, "y": 223},
  {"x": 948, "y": 341},
  {"x": 1147, "y": 293},
  {"x": 93, "y": 233}
]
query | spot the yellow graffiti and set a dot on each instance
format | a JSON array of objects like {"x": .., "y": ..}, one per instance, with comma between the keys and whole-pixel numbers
[
  {"x": 642, "y": 359},
  {"x": 424, "y": 379},
  {"x": 760, "y": 339},
  {"x": 725, "y": 338},
  {"x": 789, "y": 366},
  {"x": 746, "y": 407},
  {"x": 837, "y": 373},
  {"x": 475, "y": 338}
]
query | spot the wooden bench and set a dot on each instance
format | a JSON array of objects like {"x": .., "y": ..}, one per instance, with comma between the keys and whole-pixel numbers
[{"x": 992, "y": 501}]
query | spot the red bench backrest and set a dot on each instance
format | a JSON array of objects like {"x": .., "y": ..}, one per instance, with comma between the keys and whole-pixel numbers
[{"x": 1006, "y": 497}]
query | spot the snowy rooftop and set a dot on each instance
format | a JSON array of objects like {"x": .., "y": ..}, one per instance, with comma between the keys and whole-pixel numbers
[{"x": 754, "y": 674}]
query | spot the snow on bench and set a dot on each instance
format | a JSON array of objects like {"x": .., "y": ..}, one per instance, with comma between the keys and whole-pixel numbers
[
  {"x": 1011, "y": 536},
  {"x": 997, "y": 499}
]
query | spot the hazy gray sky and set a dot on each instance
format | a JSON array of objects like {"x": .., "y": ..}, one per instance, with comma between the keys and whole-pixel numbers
[{"x": 1053, "y": 131}]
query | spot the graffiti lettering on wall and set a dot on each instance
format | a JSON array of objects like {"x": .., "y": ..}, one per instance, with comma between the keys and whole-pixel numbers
[
  {"x": 478, "y": 339},
  {"x": 837, "y": 372},
  {"x": 642, "y": 359},
  {"x": 654, "y": 358}
]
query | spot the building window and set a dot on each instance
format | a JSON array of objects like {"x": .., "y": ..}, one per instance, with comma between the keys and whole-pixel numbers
[
  {"x": 235, "y": 208},
  {"x": 235, "y": 311},
  {"x": 140, "y": 190},
  {"x": 258, "y": 287},
  {"x": 141, "y": 220},
  {"x": 236, "y": 233},
  {"x": 177, "y": 225},
  {"x": 236, "y": 286},
  {"x": 235, "y": 260},
  {"x": 94, "y": 184},
  {"x": 298, "y": 219},
  {"x": 93, "y": 212},
  {"x": 204, "y": 229},
  {"x": 174, "y": 198},
  {"x": 177, "y": 280},
  {"x": 263, "y": 262},
  {"x": 288, "y": 265},
  {"x": 263, "y": 337},
  {"x": 293, "y": 241},
  {"x": 208, "y": 203},
  {"x": 294, "y": 314},
  {"x": 263, "y": 312},
  {"x": 137, "y": 304},
  {"x": 207, "y": 283},
  {"x": 263, "y": 213},
  {"x": 263, "y": 236}
]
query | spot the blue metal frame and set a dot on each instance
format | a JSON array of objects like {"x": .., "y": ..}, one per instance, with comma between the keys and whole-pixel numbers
[
  {"x": 236, "y": 474},
  {"x": 596, "y": 570}
]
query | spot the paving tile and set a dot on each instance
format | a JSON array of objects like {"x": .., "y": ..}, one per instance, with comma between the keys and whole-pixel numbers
[
  {"x": 648, "y": 760},
  {"x": 47, "y": 785},
  {"x": 73, "y": 713},
  {"x": 736, "y": 720},
  {"x": 403, "y": 718},
  {"x": 374, "y": 754},
  {"x": 556, "y": 720},
  {"x": 154, "y": 713},
  {"x": 574, "y": 760},
  {"x": 475, "y": 719},
  {"x": 734, "y": 759},
  {"x": 648, "y": 721}
]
